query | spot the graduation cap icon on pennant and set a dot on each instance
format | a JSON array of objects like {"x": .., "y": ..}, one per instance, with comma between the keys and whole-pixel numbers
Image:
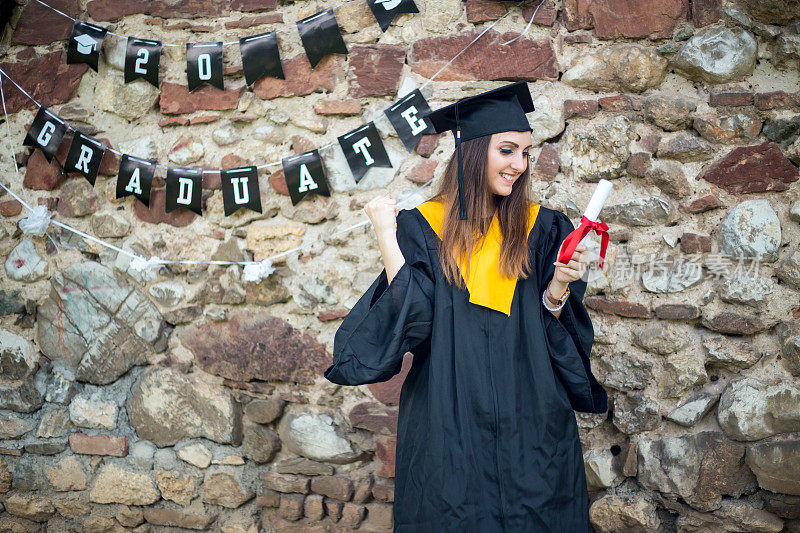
[{"x": 84, "y": 44}]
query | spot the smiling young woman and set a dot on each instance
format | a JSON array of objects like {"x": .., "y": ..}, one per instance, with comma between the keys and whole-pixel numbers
[{"x": 486, "y": 436}]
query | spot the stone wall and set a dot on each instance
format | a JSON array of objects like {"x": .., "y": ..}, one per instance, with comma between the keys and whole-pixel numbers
[{"x": 191, "y": 399}]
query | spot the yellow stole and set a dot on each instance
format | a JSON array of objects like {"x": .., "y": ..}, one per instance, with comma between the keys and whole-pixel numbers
[{"x": 487, "y": 285}]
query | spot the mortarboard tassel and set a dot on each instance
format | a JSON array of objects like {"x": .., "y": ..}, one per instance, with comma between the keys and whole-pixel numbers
[{"x": 462, "y": 204}]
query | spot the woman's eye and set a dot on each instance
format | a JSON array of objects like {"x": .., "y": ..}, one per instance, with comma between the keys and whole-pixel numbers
[{"x": 506, "y": 151}]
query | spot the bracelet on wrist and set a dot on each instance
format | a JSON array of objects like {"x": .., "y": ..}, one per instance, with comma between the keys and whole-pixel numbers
[{"x": 561, "y": 301}]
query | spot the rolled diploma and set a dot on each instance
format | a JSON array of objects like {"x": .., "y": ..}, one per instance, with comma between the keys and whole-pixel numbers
[{"x": 599, "y": 196}]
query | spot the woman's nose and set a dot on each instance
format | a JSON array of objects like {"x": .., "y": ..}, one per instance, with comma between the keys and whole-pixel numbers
[{"x": 518, "y": 164}]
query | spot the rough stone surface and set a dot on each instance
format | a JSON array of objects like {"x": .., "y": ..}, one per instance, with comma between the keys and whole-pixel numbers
[
  {"x": 260, "y": 347},
  {"x": 685, "y": 147},
  {"x": 524, "y": 59},
  {"x": 55, "y": 88},
  {"x": 300, "y": 78},
  {"x": 647, "y": 211},
  {"x": 93, "y": 411},
  {"x": 376, "y": 69},
  {"x": 225, "y": 489},
  {"x": 179, "y": 487},
  {"x": 699, "y": 468},
  {"x": 752, "y": 169},
  {"x": 635, "y": 413},
  {"x": 620, "y": 67},
  {"x": 98, "y": 323},
  {"x": 633, "y": 513},
  {"x": 67, "y": 475},
  {"x": 264, "y": 411},
  {"x": 598, "y": 151},
  {"x": 655, "y": 20},
  {"x": 775, "y": 464},
  {"x": 717, "y": 55},
  {"x": 25, "y": 264},
  {"x": 751, "y": 229},
  {"x": 176, "y": 99},
  {"x": 165, "y": 406},
  {"x": 118, "y": 485},
  {"x": 729, "y": 353},
  {"x": 751, "y": 410},
  {"x": 669, "y": 111},
  {"x": 727, "y": 129},
  {"x": 315, "y": 437},
  {"x": 260, "y": 444}
]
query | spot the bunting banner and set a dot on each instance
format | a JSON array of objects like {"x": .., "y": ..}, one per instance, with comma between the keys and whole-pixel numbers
[
  {"x": 364, "y": 149},
  {"x": 240, "y": 189},
  {"x": 142, "y": 59},
  {"x": 406, "y": 117},
  {"x": 305, "y": 174},
  {"x": 84, "y": 156},
  {"x": 260, "y": 57},
  {"x": 135, "y": 178},
  {"x": 84, "y": 43},
  {"x": 184, "y": 189},
  {"x": 386, "y": 10},
  {"x": 46, "y": 133},
  {"x": 321, "y": 36},
  {"x": 204, "y": 65}
]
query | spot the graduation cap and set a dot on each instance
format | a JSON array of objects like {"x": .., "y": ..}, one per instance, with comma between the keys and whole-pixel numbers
[
  {"x": 86, "y": 44},
  {"x": 495, "y": 111}
]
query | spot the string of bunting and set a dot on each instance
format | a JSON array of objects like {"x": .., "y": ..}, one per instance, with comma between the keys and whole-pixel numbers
[
  {"x": 319, "y": 34},
  {"x": 304, "y": 172}
]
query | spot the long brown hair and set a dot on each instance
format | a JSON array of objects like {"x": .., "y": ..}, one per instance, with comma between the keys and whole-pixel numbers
[{"x": 461, "y": 237}]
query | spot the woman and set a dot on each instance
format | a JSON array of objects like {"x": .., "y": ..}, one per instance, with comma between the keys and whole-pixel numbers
[{"x": 487, "y": 439}]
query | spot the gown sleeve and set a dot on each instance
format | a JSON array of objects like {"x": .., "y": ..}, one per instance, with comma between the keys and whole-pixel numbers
[
  {"x": 390, "y": 318},
  {"x": 570, "y": 337}
]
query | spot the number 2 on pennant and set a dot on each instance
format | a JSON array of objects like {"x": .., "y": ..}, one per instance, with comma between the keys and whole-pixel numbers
[{"x": 142, "y": 56}]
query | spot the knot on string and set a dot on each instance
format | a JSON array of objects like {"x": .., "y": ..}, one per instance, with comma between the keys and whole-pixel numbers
[
  {"x": 36, "y": 222},
  {"x": 142, "y": 266},
  {"x": 258, "y": 271}
]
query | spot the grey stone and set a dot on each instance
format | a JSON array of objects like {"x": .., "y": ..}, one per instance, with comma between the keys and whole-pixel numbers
[
  {"x": 776, "y": 464},
  {"x": 128, "y": 100},
  {"x": 304, "y": 467},
  {"x": 55, "y": 423},
  {"x": 794, "y": 211},
  {"x": 786, "y": 51},
  {"x": 11, "y": 302},
  {"x": 225, "y": 489},
  {"x": 112, "y": 224},
  {"x": 699, "y": 468},
  {"x": 167, "y": 293},
  {"x": 25, "y": 264},
  {"x": 93, "y": 410},
  {"x": 782, "y": 130},
  {"x": 61, "y": 386},
  {"x": 617, "y": 68},
  {"x": 196, "y": 455},
  {"x": 143, "y": 148},
  {"x": 739, "y": 515},
  {"x": 260, "y": 444},
  {"x": 751, "y": 410},
  {"x": 669, "y": 178},
  {"x": 597, "y": 151},
  {"x": 189, "y": 149},
  {"x": 661, "y": 338},
  {"x": 680, "y": 276},
  {"x": 13, "y": 426},
  {"x": 623, "y": 371},
  {"x": 789, "y": 335},
  {"x": 747, "y": 290},
  {"x": 141, "y": 454},
  {"x": 628, "y": 512},
  {"x": 316, "y": 437},
  {"x": 19, "y": 362},
  {"x": 734, "y": 128},
  {"x": 669, "y": 111},
  {"x": 732, "y": 354},
  {"x": 77, "y": 198},
  {"x": 690, "y": 412},
  {"x": 789, "y": 269},
  {"x": 685, "y": 147},
  {"x": 97, "y": 323},
  {"x": 717, "y": 55},
  {"x": 602, "y": 470},
  {"x": 647, "y": 211},
  {"x": 684, "y": 371},
  {"x": 751, "y": 229},
  {"x": 226, "y": 134},
  {"x": 264, "y": 411},
  {"x": 318, "y": 290},
  {"x": 166, "y": 406},
  {"x": 635, "y": 413},
  {"x": 269, "y": 133}
]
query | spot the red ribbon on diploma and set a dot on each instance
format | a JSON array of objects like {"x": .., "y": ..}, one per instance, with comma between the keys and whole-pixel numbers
[{"x": 571, "y": 242}]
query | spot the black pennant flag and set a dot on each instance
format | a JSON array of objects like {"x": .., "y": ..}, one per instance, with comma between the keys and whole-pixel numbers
[
  {"x": 321, "y": 36},
  {"x": 84, "y": 156},
  {"x": 363, "y": 149},
  {"x": 304, "y": 174},
  {"x": 386, "y": 10},
  {"x": 135, "y": 178},
  {"x": 406, "y": 117},
  {"x": 260, "y": 57},
  {"x": 142, "y": 58},
  {"x": 204, "y": 65},
  {"x": 46, "y": 133},
  {"x": 240, "y": 189},
  {"x": 184, "y": 189},
  {"x": 84, "y": 44}
]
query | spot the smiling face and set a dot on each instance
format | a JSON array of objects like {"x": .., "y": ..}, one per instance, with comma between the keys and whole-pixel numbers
[{"x": 507, "y": 160}]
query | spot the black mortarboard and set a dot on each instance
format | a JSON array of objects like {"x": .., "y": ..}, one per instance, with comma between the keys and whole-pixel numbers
[{"x": 495, "y": 111}]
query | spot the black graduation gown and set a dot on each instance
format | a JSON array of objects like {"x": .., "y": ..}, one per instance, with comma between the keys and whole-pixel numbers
[{"x": 487, "y": 438}]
